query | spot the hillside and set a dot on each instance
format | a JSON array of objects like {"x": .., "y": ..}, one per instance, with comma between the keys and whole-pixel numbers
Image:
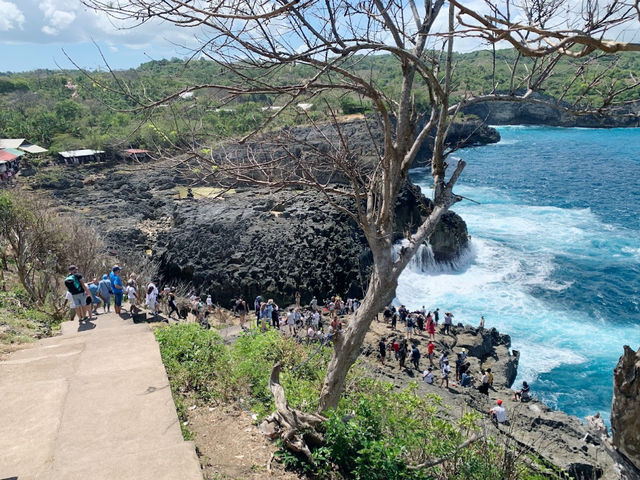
[{"x": 71, "y": 109}]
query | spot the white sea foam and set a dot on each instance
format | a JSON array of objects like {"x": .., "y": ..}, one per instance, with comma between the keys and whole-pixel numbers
[{"x": 514, "y": 250}]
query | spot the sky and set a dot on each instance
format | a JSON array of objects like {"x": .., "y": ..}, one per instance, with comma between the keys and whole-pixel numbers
[{"x": 33, "y": 34}]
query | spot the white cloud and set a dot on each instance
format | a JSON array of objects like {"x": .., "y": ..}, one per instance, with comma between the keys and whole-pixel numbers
[
  {"x": 10, "y": 16},
  {"x": 58, "y": 15}
]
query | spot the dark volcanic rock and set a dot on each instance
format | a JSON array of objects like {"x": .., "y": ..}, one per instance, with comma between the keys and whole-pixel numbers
[
  {"x": 625, "y": 410},
  {"x": 523, "y": 113},
  {"x": 257, "y": 242}
]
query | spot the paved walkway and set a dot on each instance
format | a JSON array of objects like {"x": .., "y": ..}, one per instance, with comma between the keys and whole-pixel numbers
[{"x": 93, "y": 403}]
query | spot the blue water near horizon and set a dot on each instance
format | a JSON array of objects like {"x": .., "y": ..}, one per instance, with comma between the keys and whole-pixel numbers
[{"x": 554, "y": 259}]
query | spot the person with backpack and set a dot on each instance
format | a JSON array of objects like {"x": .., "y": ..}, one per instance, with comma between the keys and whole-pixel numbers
[{"x": 79, "y": 293}]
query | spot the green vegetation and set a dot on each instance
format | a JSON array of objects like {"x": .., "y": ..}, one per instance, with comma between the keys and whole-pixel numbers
[
  {"x": 377, "y": 432},
  {"x": 66, "y": 109}
]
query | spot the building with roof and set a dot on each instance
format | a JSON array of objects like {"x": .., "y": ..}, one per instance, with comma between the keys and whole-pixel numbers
[
  {"x": 76, "y": 157},
  {"x": 137, "y": 154},
  {"x": 21, "y": 144},
  {"x": 9, "y": 163}
]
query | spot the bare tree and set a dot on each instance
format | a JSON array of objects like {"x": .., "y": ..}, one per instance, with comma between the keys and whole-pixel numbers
[{"x": 255, "y": 42}]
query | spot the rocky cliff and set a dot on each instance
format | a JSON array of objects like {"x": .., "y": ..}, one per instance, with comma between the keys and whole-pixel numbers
[
  {"x": 536, "y": 113},
  {"x": 248, "y": 242},
  {"x": 625, "y": 410},
  {"x": 260, "y": 242}
]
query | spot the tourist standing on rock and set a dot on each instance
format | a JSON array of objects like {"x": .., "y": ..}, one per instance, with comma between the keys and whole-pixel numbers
[
  {"x": 409, "y": 325},
  {"x": 297, "y": 298},
  {"x": 257, "y": 306},
  {"x": 443, "y": 358},
  {"x": 104, "y": 291},
  {"x": 314, "y": 304},
  {"x": 79, "y": 293},
  {"x": 430, "y": 349},
  {"x": 209, "y": 303},
  {"x": 382, "y": 349},
  {"x": 415, "y": 356},
  {"x": 431, "y": 327},
  {"x": 459, "y": 363},
  {"x": 448, "y": 321},
  {"x": 116, "y": 288},
  {"x": 420, "y": 323},
  {"x": 490, "y": 379},
  {"x": 436, "y": 315},
  {"x": 484, "y": 383},
  {"x": 394, "y": 320},
  {"x": 446, "y": 371},
  {"x": 481, "y": 322},
  {"x": 498, "y": 414},
  {"x": 402, "y": 353}
]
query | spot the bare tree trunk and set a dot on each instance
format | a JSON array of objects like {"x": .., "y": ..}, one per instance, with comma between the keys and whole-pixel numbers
[{"x": 382, "y": 286}]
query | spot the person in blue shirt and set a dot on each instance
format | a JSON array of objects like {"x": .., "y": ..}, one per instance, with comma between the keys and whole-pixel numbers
[
  {"x": 116, "y": 288},
  {"x": 95, "y": 301}
]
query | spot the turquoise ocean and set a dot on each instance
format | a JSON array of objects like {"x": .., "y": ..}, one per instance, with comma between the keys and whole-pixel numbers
[{"x": 554, "y": 257}]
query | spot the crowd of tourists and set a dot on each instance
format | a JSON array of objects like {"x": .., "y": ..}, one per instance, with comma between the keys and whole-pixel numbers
[
  {"x": 84, "y": 298},
  {"x": 314, "y": 322}
]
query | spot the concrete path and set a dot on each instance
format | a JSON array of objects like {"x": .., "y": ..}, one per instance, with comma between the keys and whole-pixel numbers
[{"x": 93, "y": 403}]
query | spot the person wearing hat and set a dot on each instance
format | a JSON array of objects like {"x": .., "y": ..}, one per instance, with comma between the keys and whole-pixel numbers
[
  {"x": 116, "y": 288},
  {"x": 79, "y": 293},
  {"x": 498, "y": 414}
]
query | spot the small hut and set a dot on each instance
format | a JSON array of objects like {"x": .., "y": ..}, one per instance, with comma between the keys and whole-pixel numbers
[{"x": 77, "y": 157}]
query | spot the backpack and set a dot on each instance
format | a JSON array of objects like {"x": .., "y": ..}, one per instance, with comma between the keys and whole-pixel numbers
[{"x": 73, "y": 284}]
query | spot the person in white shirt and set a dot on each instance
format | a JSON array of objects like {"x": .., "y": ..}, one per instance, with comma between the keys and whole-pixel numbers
[
  {"x": 209, "y": 303},
  {"x": 498, "y": 413},
  {"x": 132, "y": 295},
  {"x": 427, "y": 376},
  {"x": 152, "y": 298}
]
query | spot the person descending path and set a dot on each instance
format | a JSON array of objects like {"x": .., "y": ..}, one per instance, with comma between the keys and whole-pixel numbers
[
  {"x": 79, "y": 293},
  {"x": 116, "y": 288}
]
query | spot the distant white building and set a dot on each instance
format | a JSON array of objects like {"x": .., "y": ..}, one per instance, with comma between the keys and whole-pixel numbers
[
  {"x": 21, "y": 144},
  {"x": 305, "y": 106},
  {"x": 76, "y": 157}
]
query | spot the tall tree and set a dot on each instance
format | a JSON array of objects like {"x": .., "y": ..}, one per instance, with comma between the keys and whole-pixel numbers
[{"x": 255, "y": 42}]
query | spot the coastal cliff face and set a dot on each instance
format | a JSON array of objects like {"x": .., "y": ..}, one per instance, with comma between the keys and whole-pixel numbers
[
  {"x": 522, "y": 113},
  {"x": 273, "y": 244},
  {"x": 625, "y": 410},
  {"x": 251, "y": 242}
]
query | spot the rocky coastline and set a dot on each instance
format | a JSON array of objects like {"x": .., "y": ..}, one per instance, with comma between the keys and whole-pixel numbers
[
  {"x": 543, "y": 110},
  {"x": 561, "y": 444},
  {"x": 252, "y": 241}
]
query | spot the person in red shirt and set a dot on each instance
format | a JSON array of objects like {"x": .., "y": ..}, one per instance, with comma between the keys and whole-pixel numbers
[{"x": 430, "y": 348}]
